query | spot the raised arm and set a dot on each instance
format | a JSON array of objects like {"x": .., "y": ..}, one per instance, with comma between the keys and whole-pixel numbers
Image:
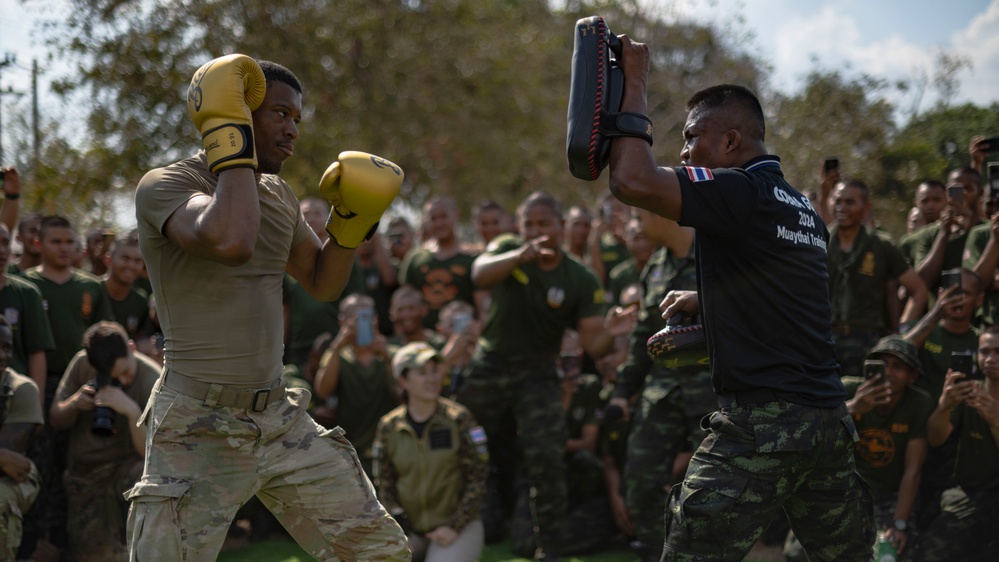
[{"x": 635, "y": 179}]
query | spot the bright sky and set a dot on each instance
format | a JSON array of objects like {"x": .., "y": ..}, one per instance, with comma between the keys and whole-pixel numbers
[{"x": 891, "y": 39}]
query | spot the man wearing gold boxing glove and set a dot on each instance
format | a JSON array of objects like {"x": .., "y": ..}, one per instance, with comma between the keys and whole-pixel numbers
[{"x": 218, "y": 231}]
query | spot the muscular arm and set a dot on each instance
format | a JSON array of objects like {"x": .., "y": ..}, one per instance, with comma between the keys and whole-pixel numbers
[
  {"x": 634, "y": 177},
  {"x": 323, "y": 269},
  {"x": 222, "y": 227}
]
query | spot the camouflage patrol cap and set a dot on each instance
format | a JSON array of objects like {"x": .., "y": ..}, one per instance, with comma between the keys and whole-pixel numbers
[
  {"x": 412, "y": 356},
  {"x": 899, "y": 347}
]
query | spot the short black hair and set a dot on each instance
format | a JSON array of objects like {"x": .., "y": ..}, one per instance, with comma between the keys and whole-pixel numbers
[
  {"x": 486, "y": 205},
  {"x": 105, "y": 342},
  {"x": 935, "y": 184},
  {"x": 52, "y": 221},
  {"x": 274, "y": 71},
  {"x": 542, "y": 198},
  {"x": 865, "y": 190},
  {"x": 730, "y": 95}
]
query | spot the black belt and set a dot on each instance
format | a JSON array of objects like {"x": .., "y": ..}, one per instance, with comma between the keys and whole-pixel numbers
[
  {"x": 230, "y": 396},
  {"x": 747, "y": 397}
]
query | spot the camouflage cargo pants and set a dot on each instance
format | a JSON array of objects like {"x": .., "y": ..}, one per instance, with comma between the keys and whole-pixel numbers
[
  {"x": 202, "y": 463},
  {"x": 662, "y": 428},
  {"x": 531, "y": 394},
  {"x": 97, "y": 509},
  {"x": 759, "y": 460},
  {"x": 15, "y": 500}
]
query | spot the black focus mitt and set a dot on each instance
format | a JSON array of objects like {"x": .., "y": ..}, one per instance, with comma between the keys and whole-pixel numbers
[
  {"x": 595, "y": 92},
  {"x": 679, "y": 345}
]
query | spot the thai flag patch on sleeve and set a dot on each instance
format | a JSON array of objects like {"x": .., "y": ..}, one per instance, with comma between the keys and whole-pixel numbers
[
  {"x": 699, "y": 174},
  {"x": 477, "y": 434}
]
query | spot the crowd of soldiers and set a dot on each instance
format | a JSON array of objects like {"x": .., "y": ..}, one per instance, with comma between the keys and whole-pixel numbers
[{"x": 905, "y": 314}]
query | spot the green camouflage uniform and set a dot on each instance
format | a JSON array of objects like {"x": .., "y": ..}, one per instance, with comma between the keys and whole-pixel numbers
[
  {"x": 669, "y": 411},
  {"x": 513, "y": 373}
]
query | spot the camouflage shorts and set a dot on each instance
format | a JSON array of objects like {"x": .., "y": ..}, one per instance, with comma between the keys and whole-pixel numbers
[
  {"x": 761, "y": 461},
  {"x": 203, "y": 463}
]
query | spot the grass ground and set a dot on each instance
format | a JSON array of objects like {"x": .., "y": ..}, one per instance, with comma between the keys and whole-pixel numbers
[{"x": 285, "y": 550}]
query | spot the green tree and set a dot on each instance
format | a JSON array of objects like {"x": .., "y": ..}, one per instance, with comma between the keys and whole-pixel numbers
[{"x": 468, "y": 96}]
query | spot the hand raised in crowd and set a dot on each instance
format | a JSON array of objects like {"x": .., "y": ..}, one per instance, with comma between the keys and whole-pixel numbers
[
  {"x": 11, "y": 181},
  {"x": 533, "y": 250},
  {"x": 443, "y": 535},
  {"x": 686, "y": 302},
  {"x": 345, "y": 335},
  {"x": 15, "y": 465},
  {"x": 460, "y": 345},
  {"x": 379, "y": 345},
  {"x": 115, "y": 398},
  {"x": 985, "y": 405},
  {"x": 621, "y": 321},
  {"x": 977, "y": 151},
  {"x": 946, "y": 300},
  {"x": 871, "y": 393},
  {"x": 956, "y": 390}
]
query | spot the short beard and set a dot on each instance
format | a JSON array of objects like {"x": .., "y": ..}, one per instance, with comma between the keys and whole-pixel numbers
[{"x": 269, "y": 167}]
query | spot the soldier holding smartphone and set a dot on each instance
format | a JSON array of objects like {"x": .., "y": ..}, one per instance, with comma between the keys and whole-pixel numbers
[{"x": 356, "y": 369}]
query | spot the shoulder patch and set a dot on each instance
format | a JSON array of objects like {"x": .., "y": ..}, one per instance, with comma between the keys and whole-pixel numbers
[
  {"x": 477, "y": 434},
  {"x": 698, "y": 174}
]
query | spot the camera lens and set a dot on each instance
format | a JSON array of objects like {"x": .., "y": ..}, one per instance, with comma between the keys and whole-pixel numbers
[{"x": 103, "y": 421}]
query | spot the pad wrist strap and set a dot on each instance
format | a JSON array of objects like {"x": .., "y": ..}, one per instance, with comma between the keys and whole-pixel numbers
[{"x": 626, "y": 124}]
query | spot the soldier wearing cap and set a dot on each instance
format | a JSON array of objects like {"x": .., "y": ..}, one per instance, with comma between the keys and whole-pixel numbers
[
  {"x": 431, "y": 461},
  {"x": 890, "y": 415}
]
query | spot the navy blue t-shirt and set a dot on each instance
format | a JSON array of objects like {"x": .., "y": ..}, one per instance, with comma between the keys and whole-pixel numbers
[{"x": 763, "y": 281}]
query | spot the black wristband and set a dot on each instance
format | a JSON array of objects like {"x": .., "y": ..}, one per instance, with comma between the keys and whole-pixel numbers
[
  {"x": 12, "y": 196},
  {"x": 626, "y": 124}
]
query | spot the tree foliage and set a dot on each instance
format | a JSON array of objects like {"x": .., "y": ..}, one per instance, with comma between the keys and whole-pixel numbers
[{"x": 468, "y": 96}]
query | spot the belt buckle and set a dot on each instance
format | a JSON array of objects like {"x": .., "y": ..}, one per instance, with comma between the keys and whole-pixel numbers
[{"x": 260, "y": 399}]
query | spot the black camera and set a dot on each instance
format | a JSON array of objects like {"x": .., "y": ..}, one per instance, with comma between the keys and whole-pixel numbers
[{"x": 103, "y": 416}]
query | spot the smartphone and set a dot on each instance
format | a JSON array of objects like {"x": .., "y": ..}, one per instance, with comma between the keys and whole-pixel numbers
[
  {"x": 365, "y": 327},
  {"x": 951, "y": 278},
  {"x": 963, "y": 362},
  {"x": 830, "y": 164},
  {"x": 993, "y": 169},
  {"x": 462, "y": 321},
  {"x": 875, "y": 369},
  {"x": 955, "y": 193}
]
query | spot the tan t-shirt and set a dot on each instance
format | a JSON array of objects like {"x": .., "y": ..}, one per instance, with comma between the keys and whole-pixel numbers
[
  {"x": 222, "y": 324},
  {"x": 84, "y": 446},
  {"x": 23, "y": 405}
]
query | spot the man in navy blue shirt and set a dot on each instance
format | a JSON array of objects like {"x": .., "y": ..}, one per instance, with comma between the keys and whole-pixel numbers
[{"x": 782, "y": 440}]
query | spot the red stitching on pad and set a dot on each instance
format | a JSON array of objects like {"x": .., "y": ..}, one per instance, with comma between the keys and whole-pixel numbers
[{"x": 601, "y": 51}]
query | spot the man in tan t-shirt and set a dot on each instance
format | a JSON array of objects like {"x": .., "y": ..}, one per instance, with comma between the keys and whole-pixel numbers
[{"x": 218, "y": 231}]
